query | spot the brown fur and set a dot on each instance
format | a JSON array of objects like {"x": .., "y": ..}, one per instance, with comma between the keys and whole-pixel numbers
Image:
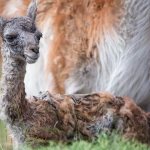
[
  {"x": 2, "y": 4},
  {"x": 65, "y": 118},
  {"x": 76, "y": 25}
]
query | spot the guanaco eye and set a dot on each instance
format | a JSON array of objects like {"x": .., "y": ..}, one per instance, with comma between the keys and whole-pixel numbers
[
  {"x": 11, "y": 37},
  {"x": 39, "y": 35}
]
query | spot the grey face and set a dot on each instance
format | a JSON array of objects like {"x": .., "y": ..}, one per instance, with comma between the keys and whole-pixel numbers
[{"x": 21, "y": 36}]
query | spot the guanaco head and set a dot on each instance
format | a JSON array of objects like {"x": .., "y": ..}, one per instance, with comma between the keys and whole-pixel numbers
[{"x": 20, "y": 36}]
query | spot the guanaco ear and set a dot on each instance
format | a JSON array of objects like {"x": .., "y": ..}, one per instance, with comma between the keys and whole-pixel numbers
[
  {"x": 32, "y": 10},
  {"x": 2, "y": 24}
]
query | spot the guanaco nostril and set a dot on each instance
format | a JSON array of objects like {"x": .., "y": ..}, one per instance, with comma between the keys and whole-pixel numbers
[{"x": 35, "y": 50}]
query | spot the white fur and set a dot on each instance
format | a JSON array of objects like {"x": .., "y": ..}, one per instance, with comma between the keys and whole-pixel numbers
[
  {"x": 131, "y": 76},
  {"x": 83, "y": 79}
]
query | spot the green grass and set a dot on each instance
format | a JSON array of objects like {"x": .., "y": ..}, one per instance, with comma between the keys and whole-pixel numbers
[
  {"x": 4, "y": 144},
  {"x": 104, "y": 142},
  {"x": 113, "y": 142}
]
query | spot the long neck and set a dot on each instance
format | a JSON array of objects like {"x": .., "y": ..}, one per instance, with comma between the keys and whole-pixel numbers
[{"x": 13, "y": 91}]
